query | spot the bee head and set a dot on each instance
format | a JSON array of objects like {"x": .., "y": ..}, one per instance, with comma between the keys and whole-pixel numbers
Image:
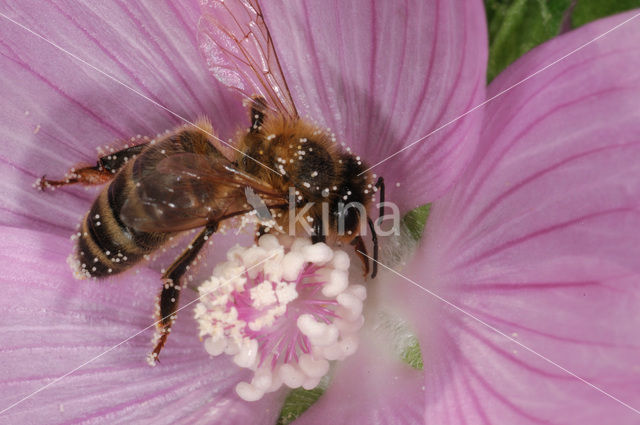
[{"x": 351, "y": 198}]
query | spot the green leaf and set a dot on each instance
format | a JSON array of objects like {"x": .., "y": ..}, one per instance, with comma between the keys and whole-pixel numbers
[
  {"x": 416, "y": 219},
  {"x": 517, "y": 26},
  {"x": 300, "y": 400},
  {"x": 590, "y": 10},
  {"x": 412, "y": 355}
]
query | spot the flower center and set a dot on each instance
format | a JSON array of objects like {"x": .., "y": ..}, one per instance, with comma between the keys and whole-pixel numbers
[{"x": 283, "y": 311}]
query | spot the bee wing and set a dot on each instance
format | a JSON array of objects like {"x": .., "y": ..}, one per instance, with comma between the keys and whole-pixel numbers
[
  {"x": 188, "y": 190},
  {"x": 240, "y": 52}
]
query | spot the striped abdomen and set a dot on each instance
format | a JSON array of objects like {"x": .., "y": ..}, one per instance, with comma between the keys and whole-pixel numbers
[{"x": 106, "y": 245}]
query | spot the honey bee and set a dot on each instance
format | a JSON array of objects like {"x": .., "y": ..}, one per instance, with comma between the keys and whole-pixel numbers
[{"x": 186, "y": 180}]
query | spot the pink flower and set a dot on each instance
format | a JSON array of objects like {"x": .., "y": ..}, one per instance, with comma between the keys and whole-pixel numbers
[{"x": 539, "y": 237}]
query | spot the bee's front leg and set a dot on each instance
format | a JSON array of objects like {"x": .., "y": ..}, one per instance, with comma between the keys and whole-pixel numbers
[
  {"x": 104, "y": 170},
  {"x": 168, "y": 301},
  {"x": 261, "y": 230},
  {"x": 361, "y": 252},
  {"x": 318, "y": 232}
]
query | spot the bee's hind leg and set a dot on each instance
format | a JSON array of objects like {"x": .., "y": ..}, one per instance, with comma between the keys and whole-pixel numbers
[
  {"x": 168, "y": 301},
  {"x": 104, "y": 170}
]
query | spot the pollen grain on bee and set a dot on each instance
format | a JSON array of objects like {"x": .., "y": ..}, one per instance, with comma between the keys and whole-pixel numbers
[{"x": 56, "y": 380}]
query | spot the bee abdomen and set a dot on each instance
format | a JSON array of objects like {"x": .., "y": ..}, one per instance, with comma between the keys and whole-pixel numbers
[{"x": 106, "y": 245}]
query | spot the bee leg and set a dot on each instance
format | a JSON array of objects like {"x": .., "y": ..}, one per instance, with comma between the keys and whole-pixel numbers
[
  {"x": 258, "y": 111},
  {"x": 262, "y": 230},
  {"x": 380, "y": 186},
  {"x": 168, "y": 302},
  {"x": 86, "y": 175},
  {"x": 318, "y": 234},
  {"x": 361, "y": 251},
  {"x": 101, "y": 173},
  {"x": 374, "y": 238},
  {"x": 116, "y": 160}
]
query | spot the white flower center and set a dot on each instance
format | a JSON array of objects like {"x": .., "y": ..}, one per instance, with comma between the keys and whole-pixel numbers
[{"x": 283, "y": 311}]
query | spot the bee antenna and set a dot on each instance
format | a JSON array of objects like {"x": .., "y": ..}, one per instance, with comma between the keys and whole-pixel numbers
[
  {"x": 380, "y": 185},
  {"x": 374, "y": 235},
  {"x": 374, "y": 238}
]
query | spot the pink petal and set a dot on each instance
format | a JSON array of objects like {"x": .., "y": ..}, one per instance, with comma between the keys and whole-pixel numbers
[
  {"x": 541, "y": 241},
  {"x": 383, "y": 74},
  {"x": 54, "y": 324},
  {"x": 57, "y": 110},
  {"x": 370, "y": 388}
]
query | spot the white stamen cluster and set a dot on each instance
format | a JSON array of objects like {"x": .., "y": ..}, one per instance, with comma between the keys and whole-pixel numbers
[{"x": 282, "y": 310}]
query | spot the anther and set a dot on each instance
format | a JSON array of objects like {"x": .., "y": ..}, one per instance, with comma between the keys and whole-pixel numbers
[{"x": 285, "y": 317}]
